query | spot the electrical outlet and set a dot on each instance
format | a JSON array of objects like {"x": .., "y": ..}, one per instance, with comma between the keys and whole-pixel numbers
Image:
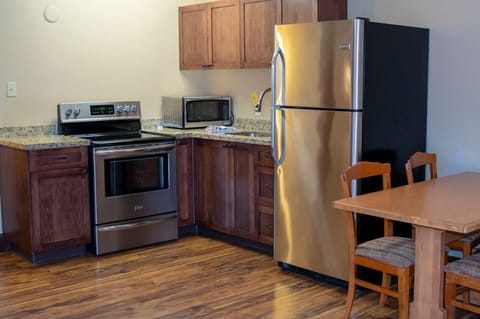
[{"x": 11, "y": 89}]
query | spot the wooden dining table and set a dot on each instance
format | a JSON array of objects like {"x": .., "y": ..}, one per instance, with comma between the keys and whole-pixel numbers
[{"x": 440, "y": 210}]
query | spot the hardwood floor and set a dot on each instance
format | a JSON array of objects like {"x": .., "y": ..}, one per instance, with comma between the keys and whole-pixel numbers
[{"x": 193, "y": 277}]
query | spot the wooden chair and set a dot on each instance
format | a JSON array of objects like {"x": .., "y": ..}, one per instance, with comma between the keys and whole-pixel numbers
[
  {"x": 465, "y": 273},
  {"x": 389, "y": 255},
  {"x": 465, "y": 244}
]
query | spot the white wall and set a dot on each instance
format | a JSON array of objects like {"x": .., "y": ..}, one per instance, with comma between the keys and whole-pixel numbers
[
  {"x": 454, "y": 67},
  {"x": 98, "y": 50}
]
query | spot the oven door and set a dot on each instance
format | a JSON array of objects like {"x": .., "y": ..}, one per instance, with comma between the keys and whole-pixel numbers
[{"x": 133, "y": 181}]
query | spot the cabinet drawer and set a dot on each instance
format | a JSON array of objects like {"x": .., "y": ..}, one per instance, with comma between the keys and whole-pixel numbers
[
  {"x": 58, "y": 158},
  {"x": 263, "y": 156},
  {"x": 266, "y": 228},
  {"x": 265, "y": 186}
]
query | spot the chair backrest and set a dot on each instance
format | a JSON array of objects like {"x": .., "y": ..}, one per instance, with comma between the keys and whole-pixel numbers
[
  {"x": 420, "y": 159},
  {"x": 359, "y": 171}
]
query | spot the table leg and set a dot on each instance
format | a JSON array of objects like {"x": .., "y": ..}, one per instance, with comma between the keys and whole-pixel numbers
[{"x": 429, "y": 260}]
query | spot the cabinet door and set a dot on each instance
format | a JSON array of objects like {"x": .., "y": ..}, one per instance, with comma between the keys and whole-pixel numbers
[
  {"x": 224, "y": 26},
  {"x": 264, "y": 193},
  {"x": 185, "y": 182},
  {"x": 257, "y": 21},
  {"x": 193, "y": 31},
  {"x": 302, "y": 11},
  {"x": 60, "y": 209},
  {"x": 212, "y": 193},
  {"x": 297, "y": 11},
  {"x": 243, "y": 190}
]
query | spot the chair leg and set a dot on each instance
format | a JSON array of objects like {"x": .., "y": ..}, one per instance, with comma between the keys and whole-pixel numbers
[
  {"x": 352, "y": 274},
  {"x": 403, "y": 293},
  {"x": 450, "y": 296},
  {"x": 467, "y": 251},
  {"x": 386, "y": 282}
]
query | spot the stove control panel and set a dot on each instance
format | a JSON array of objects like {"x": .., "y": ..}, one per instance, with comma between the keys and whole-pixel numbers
[{"x": 98, "y": 111}]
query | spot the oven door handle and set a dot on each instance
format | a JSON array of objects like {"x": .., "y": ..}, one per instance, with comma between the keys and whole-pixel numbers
[
  {"x": 164, "y": 219},
  {"x": 134, "y": 150}
]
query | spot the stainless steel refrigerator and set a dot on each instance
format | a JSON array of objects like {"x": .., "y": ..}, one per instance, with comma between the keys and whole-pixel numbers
[{"x": 342, "y": 91}]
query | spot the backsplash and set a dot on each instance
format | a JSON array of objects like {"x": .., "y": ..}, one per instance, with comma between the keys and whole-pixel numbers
[{"x": 28, "y": 130}]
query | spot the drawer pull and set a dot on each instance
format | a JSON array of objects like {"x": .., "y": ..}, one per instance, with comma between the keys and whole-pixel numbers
[
  {"x": 59, "y": 158},
  {"x": 268, "y": 186},
  {"x": 268, "y": 226}
]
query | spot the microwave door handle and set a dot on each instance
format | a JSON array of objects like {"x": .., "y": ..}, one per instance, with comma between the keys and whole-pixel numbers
[{"x": 134, "y": 150}]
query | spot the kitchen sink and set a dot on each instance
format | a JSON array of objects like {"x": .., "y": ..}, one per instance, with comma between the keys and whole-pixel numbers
[{"x": 251, "y": 134}]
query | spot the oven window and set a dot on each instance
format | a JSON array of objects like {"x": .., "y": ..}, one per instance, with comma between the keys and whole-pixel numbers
[
  {"x": 207, "y": 110},
  {"x": 136, "y": 175}
]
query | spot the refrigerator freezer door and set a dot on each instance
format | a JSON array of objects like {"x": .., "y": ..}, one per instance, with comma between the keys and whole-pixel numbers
[
  {"x": 309, "y": 232},
  {"x": 316, "y": 62}
]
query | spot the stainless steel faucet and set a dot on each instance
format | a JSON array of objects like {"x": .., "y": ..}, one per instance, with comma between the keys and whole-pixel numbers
[{"x": 258, "y": 106}]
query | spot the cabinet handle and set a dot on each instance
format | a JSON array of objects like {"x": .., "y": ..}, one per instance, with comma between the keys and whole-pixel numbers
[
  {"x": 59, "y": 158},
  {"x": 181, "y": 143},
  {"x": 227, "y": 145},
  {"x": 267, "y": 186},
  {"x": 268, "y": 226}
]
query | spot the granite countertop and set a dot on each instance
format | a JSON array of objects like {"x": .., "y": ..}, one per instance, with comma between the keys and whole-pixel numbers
[
  {"x": 42, "y": 142},
  {"x": 45, "y": 137},
  {"x": 202, "y": 133}
]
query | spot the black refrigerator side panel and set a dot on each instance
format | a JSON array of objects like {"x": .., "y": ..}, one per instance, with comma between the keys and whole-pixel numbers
[{"x": 395, "y": 106}]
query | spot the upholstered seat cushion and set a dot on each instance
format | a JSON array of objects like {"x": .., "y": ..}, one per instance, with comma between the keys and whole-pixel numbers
[
  {"x": 397, "y": 251},
  {"x": 468, "y": 267}
]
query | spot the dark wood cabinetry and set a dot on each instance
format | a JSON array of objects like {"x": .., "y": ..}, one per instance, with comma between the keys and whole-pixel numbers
[
  {"x": 184, "y": 165},
  {"x": 210, "y": 35},
  {"x": 264, "y": 192},
  {"x": 240, "y": 33},
  {"x": 302, "y": 11},
  {"x": 45, "y": 201},
  {"x": 257, "y": 21},
  {"x": 224, "y": 187}
]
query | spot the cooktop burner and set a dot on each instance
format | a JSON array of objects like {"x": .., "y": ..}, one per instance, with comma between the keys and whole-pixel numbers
[{"x": 106, "y": 123}]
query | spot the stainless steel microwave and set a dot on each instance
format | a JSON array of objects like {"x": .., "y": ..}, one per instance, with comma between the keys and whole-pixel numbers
[{"x": 195, "y": 112}]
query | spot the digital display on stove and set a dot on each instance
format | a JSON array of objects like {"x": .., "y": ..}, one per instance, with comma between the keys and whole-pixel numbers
[{"x": 102, "y": 109}]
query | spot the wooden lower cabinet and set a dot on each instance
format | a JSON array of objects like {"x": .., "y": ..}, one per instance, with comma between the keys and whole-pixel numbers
[
  {"x": 45, "y": 201},
  {"x": 224, "y": 191},
  {"x": 184, "y": 169},
  {"x": 264, "y": 193}
]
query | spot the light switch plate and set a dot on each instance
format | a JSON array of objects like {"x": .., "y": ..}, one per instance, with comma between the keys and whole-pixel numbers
[{"x": 11, "y": 89}]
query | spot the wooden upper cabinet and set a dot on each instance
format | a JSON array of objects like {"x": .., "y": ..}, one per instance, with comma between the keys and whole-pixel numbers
[
  {"x": 302, "y": 11},
  {"x": 257, "y": 21},
  {"x": 210, "y": 35},
  {"x": 225, "y": 34},
  {"x": 193, "y": 30}
]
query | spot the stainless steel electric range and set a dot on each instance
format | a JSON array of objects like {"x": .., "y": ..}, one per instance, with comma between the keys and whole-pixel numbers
[{"x": 132, "y": 174}]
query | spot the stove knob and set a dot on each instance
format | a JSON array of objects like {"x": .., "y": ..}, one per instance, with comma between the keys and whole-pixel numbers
[
  {"x": 76, "y": 111},
  {"x": 126, "y": 108},
  {"x": 119, "y": 109},
  {"x": 133, "y": 108},
  {"x": 68, "y": 111}
]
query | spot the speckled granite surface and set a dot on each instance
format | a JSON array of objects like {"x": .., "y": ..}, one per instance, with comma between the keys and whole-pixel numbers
[
  {"x": 28, "y": 130},
  {"x": 37, "y": 138},
  {"x": 45, "y": 137},
  {"x": 42, "y": 142},
  {"x": 151, "y": 126}
]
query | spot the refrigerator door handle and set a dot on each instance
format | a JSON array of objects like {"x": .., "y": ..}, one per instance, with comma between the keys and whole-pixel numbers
[
  {"x": 278, "y": 53},
  {"x": 278, "y": 159}
]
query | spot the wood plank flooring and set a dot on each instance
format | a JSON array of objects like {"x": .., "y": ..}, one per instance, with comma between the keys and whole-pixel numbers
[{"x": 193, "y": 277}]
